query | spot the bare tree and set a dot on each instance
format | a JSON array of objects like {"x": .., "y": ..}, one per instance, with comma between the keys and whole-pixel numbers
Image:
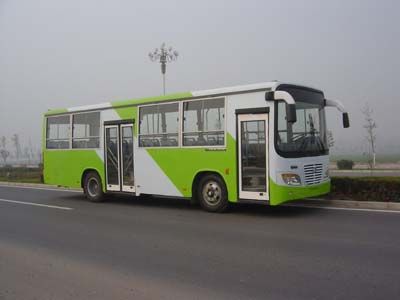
[
  {"x": 27, "y": 154},
  {"x": 3, "y": 141},
  {"x": 4, "y": 154},
  {"x": 330, "y": 139},
  {"x": 31, "y": 151},
  {"x": 40, "y": 156},
  {"x": 370, "y": 127},
  {"x": 17, "y": 145}
]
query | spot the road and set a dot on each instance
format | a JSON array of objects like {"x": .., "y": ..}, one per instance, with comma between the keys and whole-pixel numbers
[{"x": 66, "y": 248}]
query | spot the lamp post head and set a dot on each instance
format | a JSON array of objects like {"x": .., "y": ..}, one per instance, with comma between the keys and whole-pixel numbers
[{"x": 163, "y": 55}]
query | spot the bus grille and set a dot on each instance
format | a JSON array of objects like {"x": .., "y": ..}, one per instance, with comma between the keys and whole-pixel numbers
[{"x": 313, "y": 173}]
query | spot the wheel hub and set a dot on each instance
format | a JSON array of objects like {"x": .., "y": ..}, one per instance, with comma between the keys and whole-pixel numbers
[
  {"x": 93, "y": 187},
  {"x": 212, "y": 193}
]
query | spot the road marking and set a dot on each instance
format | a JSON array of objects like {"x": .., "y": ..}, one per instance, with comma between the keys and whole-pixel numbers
[
  {"x": 40, "y": 188},
  {"x": 346, "y": 208},
  {"x": 36, "y": 204}
]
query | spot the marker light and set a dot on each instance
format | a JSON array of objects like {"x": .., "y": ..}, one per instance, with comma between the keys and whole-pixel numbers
[{"x": 291, "y": 179}]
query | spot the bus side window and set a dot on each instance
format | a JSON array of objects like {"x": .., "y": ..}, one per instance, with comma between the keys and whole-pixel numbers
[
  {"x": 58, "y": 132},
  {"x": 86, "y": 130},
  {"x": 159, "y": 125},
  {"x": 204, "y": 122}
]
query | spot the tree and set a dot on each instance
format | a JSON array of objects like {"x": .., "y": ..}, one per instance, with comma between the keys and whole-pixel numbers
[
  {"x": 330, "y": 139},
  {"x": 370, "y": 127},
  {"x": 27, "y": 154},
  {"x": 17, "y": 145},
  {"x": 3, "y": 141},
  {"x": 40, "y": 156},
  {"x": 4, "y": 154}
]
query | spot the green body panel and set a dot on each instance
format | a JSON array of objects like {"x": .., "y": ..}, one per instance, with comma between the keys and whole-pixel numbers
[
  {"x": 181, "y": 165},
  {"x": 65, "y": 167},
  {"x": 129, "y": 113},
  {"x": 56, "y": 111},
  {"x": 279, "y": 194},
  {"x": 122, "y": 104},
  {"x": 126, "y": 112},
  {"x": 140, "y": 101}
]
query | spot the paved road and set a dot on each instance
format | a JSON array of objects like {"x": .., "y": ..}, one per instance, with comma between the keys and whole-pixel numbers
[{"x": 166, "y": 249}]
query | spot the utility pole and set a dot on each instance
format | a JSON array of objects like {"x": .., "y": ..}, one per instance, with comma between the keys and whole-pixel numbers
[{"x": 163, "y": 56}]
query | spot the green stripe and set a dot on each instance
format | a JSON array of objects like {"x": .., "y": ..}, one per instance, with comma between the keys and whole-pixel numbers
[
  {"x": 56, "y": 111},
  {"x": 181, "y": 165},
  {"x": 139, "y": 101}
]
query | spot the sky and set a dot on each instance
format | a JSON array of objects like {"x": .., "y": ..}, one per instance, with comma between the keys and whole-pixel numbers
[{"x": 57, "y": 54}]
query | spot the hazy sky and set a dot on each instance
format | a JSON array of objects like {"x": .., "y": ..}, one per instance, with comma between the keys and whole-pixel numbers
[{"x": 56, "y": 53}]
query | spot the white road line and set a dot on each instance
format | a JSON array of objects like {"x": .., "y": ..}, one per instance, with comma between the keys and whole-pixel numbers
[
  {"x": 40, "y": 188},
  {"x": 346, "y": 208},
  {"x": 36, "y": 204}
]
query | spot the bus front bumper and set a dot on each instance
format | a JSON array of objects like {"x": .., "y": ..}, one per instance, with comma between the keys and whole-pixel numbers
[{"x": 283, "y": 193}]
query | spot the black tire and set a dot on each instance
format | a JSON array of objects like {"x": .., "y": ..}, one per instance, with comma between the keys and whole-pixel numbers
[
  {"x": 212, "y": 194},
  {"x": 93, "y": 188}
]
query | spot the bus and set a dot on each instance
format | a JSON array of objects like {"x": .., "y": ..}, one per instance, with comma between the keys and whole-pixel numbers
[{"x": 264, "y": 142}]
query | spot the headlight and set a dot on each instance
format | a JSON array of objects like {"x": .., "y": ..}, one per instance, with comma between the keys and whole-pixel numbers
[
  {"x": 291, "y": 179},
  {"x": 327, "y": 173}
]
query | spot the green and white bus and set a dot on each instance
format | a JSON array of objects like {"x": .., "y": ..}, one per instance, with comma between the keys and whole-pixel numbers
[{"x": 263, "y": 142}]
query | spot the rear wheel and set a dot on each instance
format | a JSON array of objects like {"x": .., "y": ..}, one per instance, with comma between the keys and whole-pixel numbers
[
  {"x": 212, "y": 193},
  {"x": 93, "y": 188}
]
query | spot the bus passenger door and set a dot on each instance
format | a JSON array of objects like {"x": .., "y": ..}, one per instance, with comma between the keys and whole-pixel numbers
[
  {"x": 127, "y": 175},
  {"x": 119, "y": 157},
  {"x": 253, "y": 156}
]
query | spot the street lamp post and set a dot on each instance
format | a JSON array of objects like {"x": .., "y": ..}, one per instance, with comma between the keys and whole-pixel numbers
[{"x": 163, "y": 56}]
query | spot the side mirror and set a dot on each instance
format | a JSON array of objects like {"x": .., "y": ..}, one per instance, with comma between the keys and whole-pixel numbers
[
  {"x": 346, "y": 122},
  {"x": 291, "y": 116}
]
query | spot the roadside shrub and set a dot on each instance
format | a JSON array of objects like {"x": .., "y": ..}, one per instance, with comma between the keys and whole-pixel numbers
[
  {"x": 382, "y": 189},
  {"x": 345, "y": 164}
]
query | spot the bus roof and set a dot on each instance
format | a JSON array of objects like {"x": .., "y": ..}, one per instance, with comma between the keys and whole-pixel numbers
[{"x": 177, "y": 96}]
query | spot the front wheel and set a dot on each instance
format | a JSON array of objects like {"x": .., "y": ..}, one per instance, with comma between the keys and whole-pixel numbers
[
  {"x": 92, "y": 187},
  {"x": 212, "y": 194}
]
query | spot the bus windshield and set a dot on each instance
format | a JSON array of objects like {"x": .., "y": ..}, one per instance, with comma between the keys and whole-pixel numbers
[{"x": 305, "y": 137}]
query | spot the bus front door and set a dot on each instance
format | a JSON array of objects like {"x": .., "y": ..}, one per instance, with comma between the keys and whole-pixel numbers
[
  {"x": 253, "y": 156},
  {"x": 119, "y": 158}
]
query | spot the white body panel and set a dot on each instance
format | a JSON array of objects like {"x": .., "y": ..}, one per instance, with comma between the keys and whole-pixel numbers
[{"x": 149, "y": 178}]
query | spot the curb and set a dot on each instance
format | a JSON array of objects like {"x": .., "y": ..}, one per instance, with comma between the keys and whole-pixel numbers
[
  {"x": 348, "y": 204},
  {"x": 36, "y": 185}
]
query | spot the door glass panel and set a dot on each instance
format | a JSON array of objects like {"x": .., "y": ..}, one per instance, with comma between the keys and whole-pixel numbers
[
  {"x": 253, "y": 156},
  {"x": 127, "y": 156},
  {"x": 112, "y": 155}
]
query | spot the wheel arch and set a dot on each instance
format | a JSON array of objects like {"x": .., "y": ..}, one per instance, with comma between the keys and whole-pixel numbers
[{"x": 87, "y": 171}]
